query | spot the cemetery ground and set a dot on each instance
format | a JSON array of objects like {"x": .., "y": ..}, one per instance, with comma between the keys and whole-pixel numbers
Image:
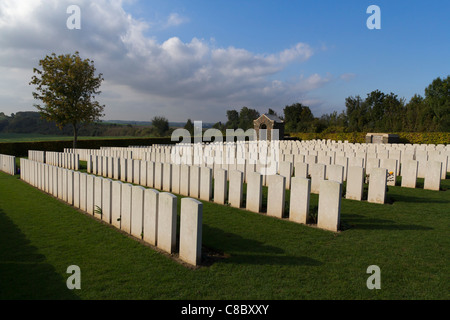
[{"x": 246, "y": 255}]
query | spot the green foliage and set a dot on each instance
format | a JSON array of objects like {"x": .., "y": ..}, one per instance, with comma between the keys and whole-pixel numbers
[
  {"x": 189, "y": 126},
  {"x": 437, "y": 99},
  {"x": 98, "y": 211},
  {"x": 298, "y": 118},
  {"x": 160, "y": 125},
  {"x": 67, "y": 87},
  {"x": 246, "y": 117}
]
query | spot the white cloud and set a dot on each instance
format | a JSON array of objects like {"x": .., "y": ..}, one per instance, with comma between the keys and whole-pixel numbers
[
  {"x": 143, "y": 73},
  {"x": 175, "y": 20},
  {"x": 347, "y": 76}
]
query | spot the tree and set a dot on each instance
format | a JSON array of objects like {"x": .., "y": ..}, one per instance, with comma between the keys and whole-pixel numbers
[
  {"x": 67, "y": 86},
  {"x": 160, "y": 125},
  {"x": 437, "y": 98},
  {"x": 189, "y": 126},
  {"x": 246, "y": 117},
  {"x": 233, "y": 119},
  {"x": 298, "y": 118},
  {"x": 356, "y": 111}
]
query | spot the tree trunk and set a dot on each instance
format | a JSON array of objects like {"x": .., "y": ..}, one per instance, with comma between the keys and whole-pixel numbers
[{"x": 75, "y": 135}]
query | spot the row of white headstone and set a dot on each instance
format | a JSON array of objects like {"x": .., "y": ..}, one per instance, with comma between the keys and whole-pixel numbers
[
  {"x": 146, "y": 214},
  {"x": 197, "y": 182},
  {"x": 366, "y": 155},
  {"x": 59, "y": 159},
  {"x": 8, "y": 164}
]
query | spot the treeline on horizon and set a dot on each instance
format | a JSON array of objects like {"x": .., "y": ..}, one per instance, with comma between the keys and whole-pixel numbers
[{"x": 377, "y": 112}]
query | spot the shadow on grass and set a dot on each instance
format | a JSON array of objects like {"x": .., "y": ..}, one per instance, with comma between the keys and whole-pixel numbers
[
  {"x": 249, "y": 251},
  {"x": 360, "y": 222},
  {"x": 24, "y": 274},
  {"x": 416, "y": 199}
]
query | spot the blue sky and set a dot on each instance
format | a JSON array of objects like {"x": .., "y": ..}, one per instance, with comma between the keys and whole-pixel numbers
[{"x": 197, "y": 58}]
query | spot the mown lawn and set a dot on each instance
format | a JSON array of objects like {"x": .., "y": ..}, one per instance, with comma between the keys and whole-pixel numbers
[{"x": 259, "y": 257}]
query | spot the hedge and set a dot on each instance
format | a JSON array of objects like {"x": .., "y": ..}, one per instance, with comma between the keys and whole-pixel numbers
[
  {"x": 20, "y": 149},
  {"x": 359, "y": 137}
]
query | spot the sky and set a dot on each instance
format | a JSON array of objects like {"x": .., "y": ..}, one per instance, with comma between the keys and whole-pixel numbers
[{"x": 197, "y": 59}]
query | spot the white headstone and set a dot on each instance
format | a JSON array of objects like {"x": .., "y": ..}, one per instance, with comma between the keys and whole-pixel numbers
[
  {"x": 235, "y": 193},
  {"x": 167, "y": 222},
  {"x": 409, "y": 173},
  {"x": 377, "y": 186},
  {"x": 191, "y": 231},
  {"x": 206, "y": 184},
  {"x": 432, "y": 180},
  {"x": 137, "y": 211},
  {"x": 276, "y": 196},
  {"x": 125, "y": 213},
  {"x": 299, "y": 200},
  {"x": 151, "y": 198},
  {"x": 220, "y": 186},
  {"x": 355, "y": 183},
  {"x": 254, "y": 192},
  {"x": 116, "y": 203},
  {"x": 329, "y": 213}
]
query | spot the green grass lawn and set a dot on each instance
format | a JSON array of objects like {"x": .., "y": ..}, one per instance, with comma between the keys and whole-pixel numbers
[{"x": 260, "y": 257}]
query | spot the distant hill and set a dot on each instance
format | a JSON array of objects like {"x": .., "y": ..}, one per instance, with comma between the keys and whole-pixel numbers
[{"x": 30, "y": 122}]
